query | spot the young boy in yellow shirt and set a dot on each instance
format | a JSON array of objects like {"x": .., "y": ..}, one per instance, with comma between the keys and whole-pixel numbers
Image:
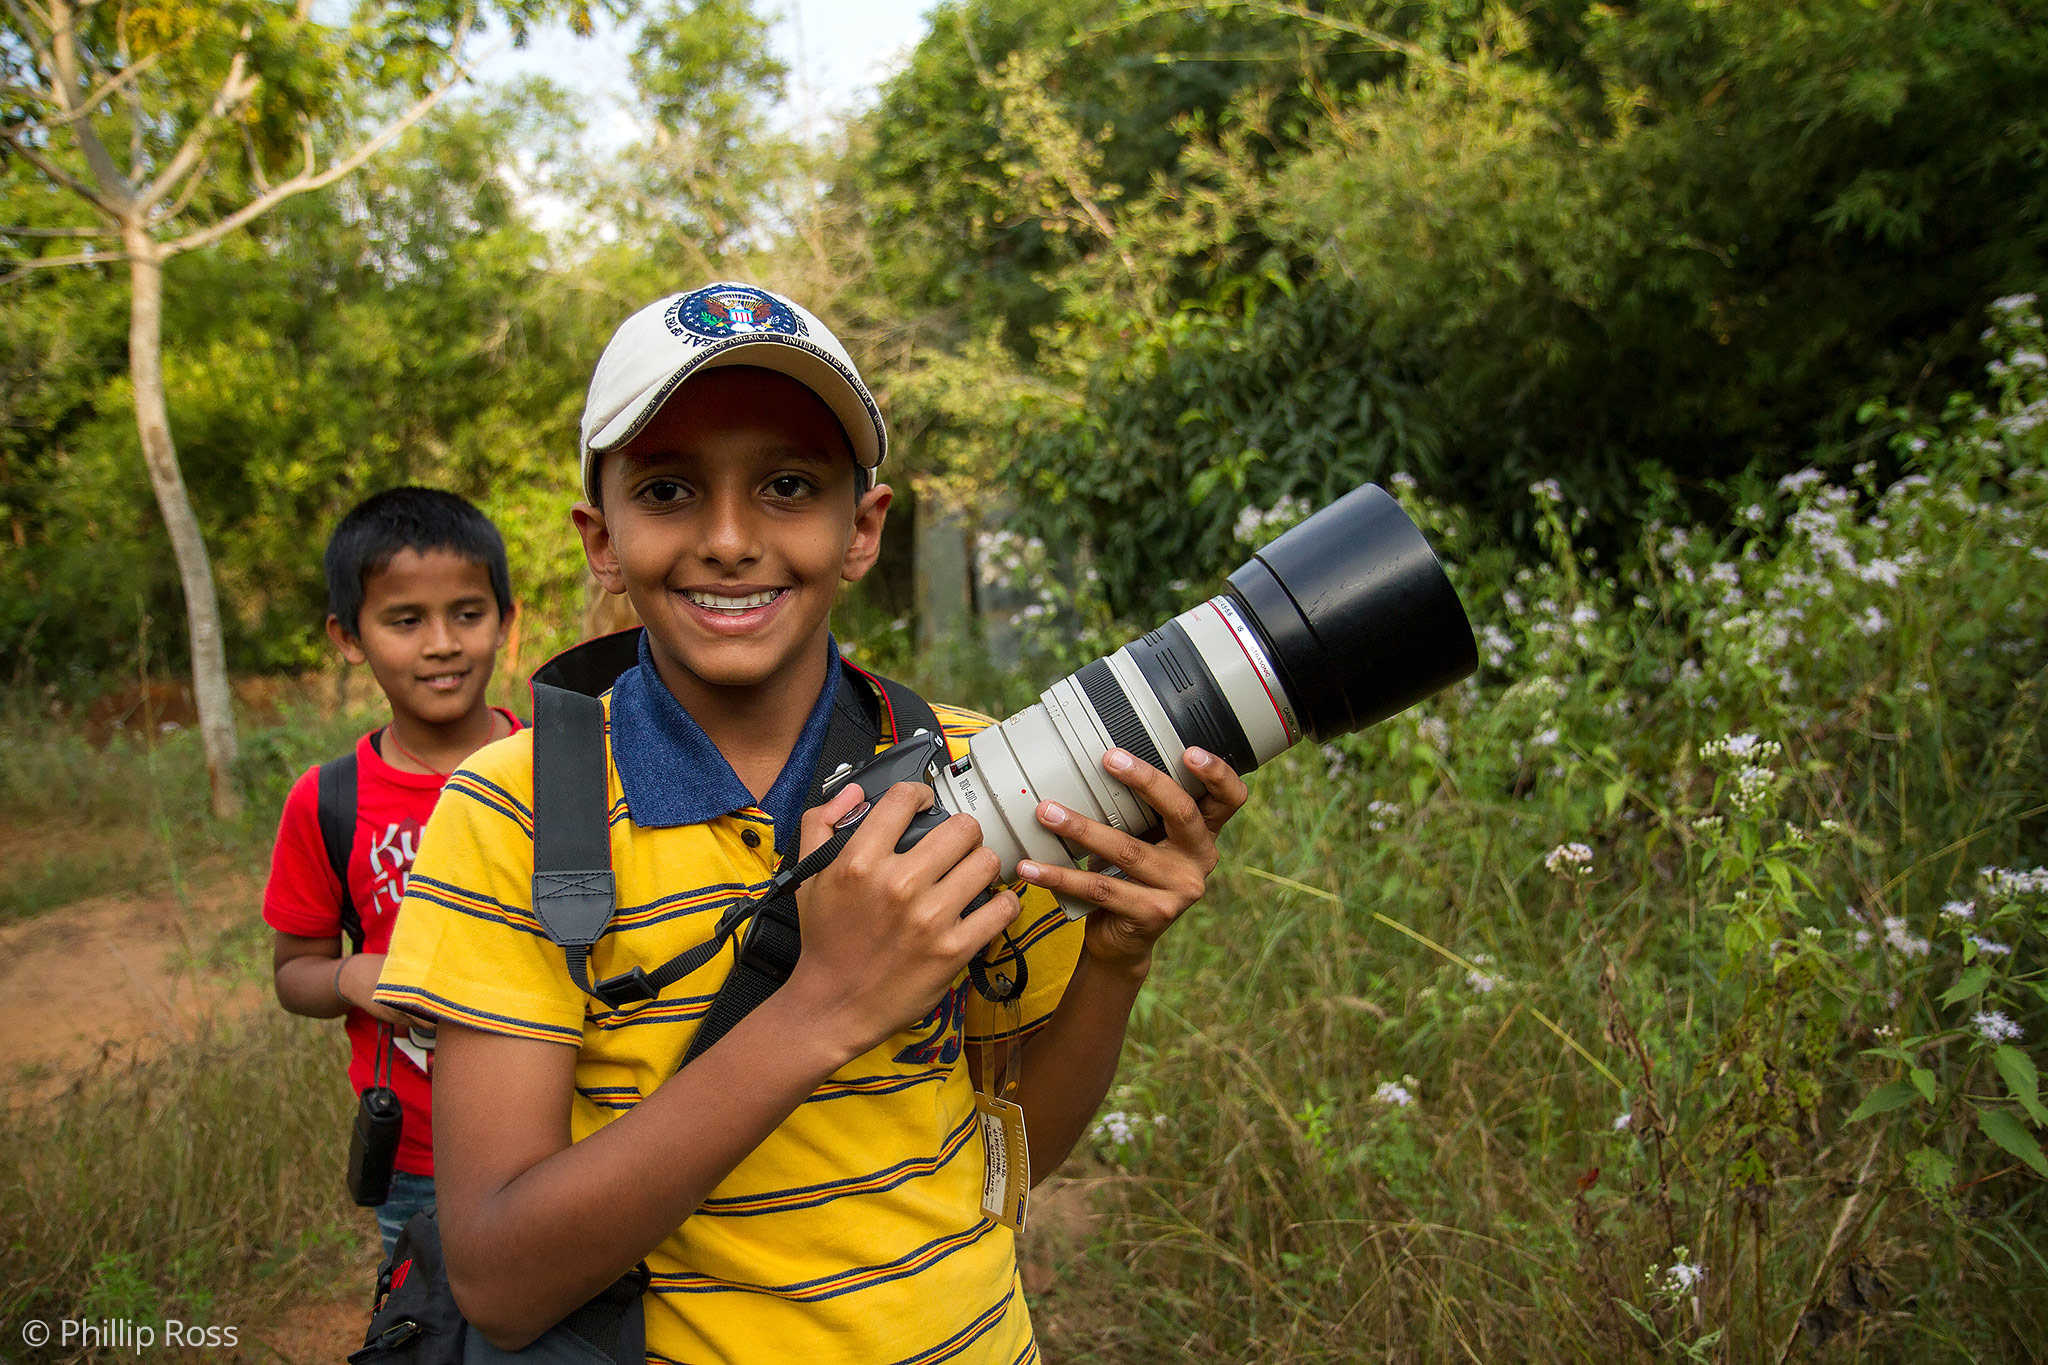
[{"x": 809, "y": 1187}]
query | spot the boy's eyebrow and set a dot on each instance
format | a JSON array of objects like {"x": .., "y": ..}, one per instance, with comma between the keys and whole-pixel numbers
[{"x": 471, "y": 600}]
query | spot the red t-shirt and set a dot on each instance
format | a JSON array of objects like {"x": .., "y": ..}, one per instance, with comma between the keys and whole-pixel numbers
[{"x": 303, "y": 898}]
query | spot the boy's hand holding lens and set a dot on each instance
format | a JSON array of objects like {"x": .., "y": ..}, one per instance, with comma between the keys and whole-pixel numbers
[{"x": 1153, "y": 883}]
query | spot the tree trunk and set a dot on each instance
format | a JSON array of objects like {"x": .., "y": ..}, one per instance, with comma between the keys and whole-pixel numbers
[{"x": 210, "y": 692}]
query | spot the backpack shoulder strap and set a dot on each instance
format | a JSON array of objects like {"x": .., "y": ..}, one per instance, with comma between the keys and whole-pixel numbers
[
  {"x": 572, "y": 855},
  {"x": 337, "y": 812}
]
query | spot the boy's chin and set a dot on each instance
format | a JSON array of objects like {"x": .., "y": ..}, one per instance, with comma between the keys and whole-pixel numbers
[{"x": 437, "y": 710}]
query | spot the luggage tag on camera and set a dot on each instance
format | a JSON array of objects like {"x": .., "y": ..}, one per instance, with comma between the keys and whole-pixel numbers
[{"x": 1006, "y": 1169}]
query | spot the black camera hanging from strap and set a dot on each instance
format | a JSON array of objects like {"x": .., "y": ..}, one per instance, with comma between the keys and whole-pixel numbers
[
  {"x": 574, "y": 891},
  {"x": 373, "y": 1137}
]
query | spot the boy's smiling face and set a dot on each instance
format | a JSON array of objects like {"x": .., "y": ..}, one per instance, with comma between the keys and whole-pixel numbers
[
  {"x": 729, "y": 522},
  {"x": 430, "y": 630}
]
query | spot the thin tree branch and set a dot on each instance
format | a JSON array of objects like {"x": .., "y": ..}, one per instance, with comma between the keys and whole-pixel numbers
[
  {"x": 55, "y": 232},
  {"x": 29, "y": 17},
  {"x": 184, "y": 199},
  {"x": 57, "y": 173},
  {"x": 254, "y": 162},
  {"x": 305, "y": 181},
  {"x": 84, "y": 107},
  {"x": 65, "y": 53},
  {"x": 58, "y": 262},
  {"x": 234, "y": 92}
]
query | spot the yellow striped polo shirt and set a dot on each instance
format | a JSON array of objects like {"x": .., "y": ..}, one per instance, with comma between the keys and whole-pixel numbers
[{"x": 854, "y": 1233}]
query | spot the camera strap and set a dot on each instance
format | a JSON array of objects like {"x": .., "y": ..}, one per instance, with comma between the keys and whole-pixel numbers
[
  {"x": 774, "y": 940},
  {"x": 574, "y": 891}
]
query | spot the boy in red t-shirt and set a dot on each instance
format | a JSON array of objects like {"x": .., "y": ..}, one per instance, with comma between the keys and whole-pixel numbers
[{"x": 417, "y": 588}]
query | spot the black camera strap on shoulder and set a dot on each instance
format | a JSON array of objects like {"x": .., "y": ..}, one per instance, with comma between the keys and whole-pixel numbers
[{"x": 574, "y": 892}]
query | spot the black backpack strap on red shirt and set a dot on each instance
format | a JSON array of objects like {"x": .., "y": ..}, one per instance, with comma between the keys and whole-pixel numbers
[{"x": 336, "y": 810}]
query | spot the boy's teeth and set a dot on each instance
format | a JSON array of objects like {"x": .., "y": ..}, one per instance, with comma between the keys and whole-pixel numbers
[{"x": 716, "y": 602}]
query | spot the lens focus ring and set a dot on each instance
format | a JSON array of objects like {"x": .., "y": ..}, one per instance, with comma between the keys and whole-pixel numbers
[{"x": 1114, "y": 710}]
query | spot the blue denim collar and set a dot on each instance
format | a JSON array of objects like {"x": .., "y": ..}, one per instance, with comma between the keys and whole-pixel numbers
[{"x": 674, "y": 775}]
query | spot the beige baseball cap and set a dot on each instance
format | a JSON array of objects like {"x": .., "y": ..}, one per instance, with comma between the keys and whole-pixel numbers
[{"x": 727, "y": 323}]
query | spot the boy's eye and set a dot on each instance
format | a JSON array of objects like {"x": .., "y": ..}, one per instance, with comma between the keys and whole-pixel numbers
[
  {"x": 662, "y": 490},
  {"x": 791, "y": 486}
]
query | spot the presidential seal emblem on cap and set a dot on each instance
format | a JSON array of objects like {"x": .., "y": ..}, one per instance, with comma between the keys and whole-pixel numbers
[
  {"x": 656, "y": 350},
  {"x": 727, "y": 310}
]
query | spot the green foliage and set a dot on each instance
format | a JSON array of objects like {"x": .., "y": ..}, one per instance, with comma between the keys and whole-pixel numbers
[
  {"x": 1550, "y": 239},
  {"x": 1198, "y": 415},
  {"x": 405, "y": 329},
  {"x": 1675, "y": 987}
]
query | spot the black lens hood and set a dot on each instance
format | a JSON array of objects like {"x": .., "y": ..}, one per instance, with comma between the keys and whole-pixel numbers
[{"x": 1356, "y": 614}]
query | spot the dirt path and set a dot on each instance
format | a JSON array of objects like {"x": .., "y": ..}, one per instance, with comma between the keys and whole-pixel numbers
[{"x": 111, "y": 978}]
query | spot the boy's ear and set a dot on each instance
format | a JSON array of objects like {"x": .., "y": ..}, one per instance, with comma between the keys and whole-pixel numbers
[
  {"x": 351, "y": 648},
  {"x": 868, "y": 515},
  {"x": 598, "y": 548},
  {"x": 506, "y": 619}
]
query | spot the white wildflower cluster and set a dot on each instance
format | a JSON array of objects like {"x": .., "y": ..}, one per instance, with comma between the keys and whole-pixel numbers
[
  {"x": 1561, "y": 638},
  {"x": 1988, "y": 948},
  {"x": 1496, "y": 645},
  {"x": 1479, "y": 978},
  {"x": 1394, "y": 1093},
  {"x": 1257, "y": 525},
  {"x": 1682, "y": 1276},
  {"x": 1432, "y": 730},
  {"x": 1994, "y": 1028},
  {"x": 1898, "y": 936},
  {"x": 1119, "y": 1128},
  {"x": 1901, "y": 939},
  {"x": 1003, "y": 556},
  {"x": 1335, "y": 762},
  {"x": 1800, "y": 480},
  {"x": 1569, "y": 860},
  {"x": 1741, "y": 750},
  {"x": 1754, "y": 784},
  {"x": 1624, "y": 1120},
  {"x": 1959, "y": 910},
  {"x": 1547, "y": 490},
  {"x": 2010, "y": 883},
  {"x": 1381, "y": 814},
  {"x": 2015, "y": 307},
  {"x": 1872, "y": 621}
]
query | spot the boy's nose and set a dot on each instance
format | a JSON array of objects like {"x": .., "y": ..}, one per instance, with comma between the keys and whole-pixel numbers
[
  {"x": 729, "y": 537},
  {"x": 442, "y": 638}
]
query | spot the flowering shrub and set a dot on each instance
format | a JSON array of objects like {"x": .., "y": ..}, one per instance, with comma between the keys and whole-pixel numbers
[{"x": 1711, "y": 919}]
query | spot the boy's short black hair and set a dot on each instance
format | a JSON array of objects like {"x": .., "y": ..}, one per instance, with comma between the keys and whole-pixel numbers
[{"x": 408, "y": 518}]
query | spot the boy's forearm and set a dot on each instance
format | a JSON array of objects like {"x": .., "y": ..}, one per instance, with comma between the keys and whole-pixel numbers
[
  {"x": 527, "y": 1254},
  {"x": 1068, "y": 1065},
  {"x": 307, "y": 985}
]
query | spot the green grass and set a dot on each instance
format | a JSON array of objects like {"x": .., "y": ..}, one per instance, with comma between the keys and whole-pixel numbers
[
  {"x": 131, "y": 816},
  {"x": 205, "y": 1184}
]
